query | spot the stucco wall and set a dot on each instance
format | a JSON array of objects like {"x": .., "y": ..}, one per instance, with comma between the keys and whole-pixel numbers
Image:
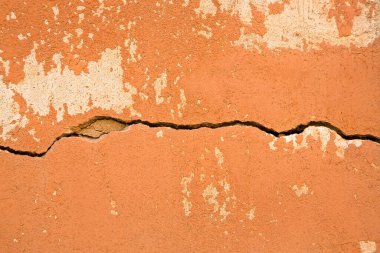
[{"x": 190, "y": 126}]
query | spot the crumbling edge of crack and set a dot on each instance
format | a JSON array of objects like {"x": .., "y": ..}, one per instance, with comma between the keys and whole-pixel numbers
[{"x": 297, "y": 130}]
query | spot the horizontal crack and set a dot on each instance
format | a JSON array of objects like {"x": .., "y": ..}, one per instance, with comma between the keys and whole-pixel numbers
[{"x": 91, "y": 129}]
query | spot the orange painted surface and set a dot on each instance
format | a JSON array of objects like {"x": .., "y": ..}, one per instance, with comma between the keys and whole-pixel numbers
[
  {"x": 280, "y": 78},
  {"x": 162, "y": 190},
  {"x": 270, "y": 186}
]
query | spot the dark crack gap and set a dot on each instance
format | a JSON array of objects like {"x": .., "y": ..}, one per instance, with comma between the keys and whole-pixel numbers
[{"x": 297, "y": 130}]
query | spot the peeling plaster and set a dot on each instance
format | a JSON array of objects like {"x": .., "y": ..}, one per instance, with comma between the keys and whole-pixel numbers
[
  {"x": 61, "y": 88},
  {"x": 323, "y": 134},
  {"x": 299, "y": 25},
  {"x": 10, "y": 117},
  {"x": 306, "y": 25}
]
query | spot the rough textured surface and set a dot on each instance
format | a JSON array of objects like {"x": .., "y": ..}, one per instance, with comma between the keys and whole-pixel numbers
[
  {"x": 189, "y": 126},
  {"x": 164, "y": 190},
  {"x": 280, "y": 63}
]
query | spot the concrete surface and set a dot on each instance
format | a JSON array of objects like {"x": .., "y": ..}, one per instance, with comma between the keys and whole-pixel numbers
[{"x": 190, "y": 126}]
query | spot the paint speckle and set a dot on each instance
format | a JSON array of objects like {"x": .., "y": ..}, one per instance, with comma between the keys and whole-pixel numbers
[
  {"x": 251, "y": 214},
  {"x": 185, "y": 181},
  {"x": 223, "y": 212},
  {"x": 32, "y": 132},
  {"x": 22, "y": 37},
  {"x": 160, "y": 134},
  {"x": 226, "y": 186},
  {"x": 113, "y": 208},
  {"x": 219, "y": 156},
  {"x": 159, "y": 84},
  {"x": 55, "y": 11},
  {"x": 11, "y": 16},
  {"x": 300, "y": 190},
  {"x": 210, "y": 194},
  {"x": 181, "y": 106}
]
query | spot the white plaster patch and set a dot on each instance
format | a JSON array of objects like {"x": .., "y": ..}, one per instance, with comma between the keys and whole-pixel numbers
[
  {"x": 219, "y": 156},
  {"x": 32, "y": 132},
  {"x": 181, "y": 106},
  {"x": 223, "y": 212},
  {"x": 22, "y": 37},
  {"x": 251, "y": 214},
  {"x": 271, "y": 144},
  {"x": 10, "y": 117},
  {"x": 302, "y": 190},
  {"x": 185, "y": 181},
  {"x": 226, "y": 186},
  {"x": 367, "y": 246},
  {"x": 160, "y": 134},
  {"x": 80, "y": 18},
  {"x": 113, "y": 208},
  {"x": 11, "y": 16},
  {"x": 61, "y": 88},
  {"x": 305, "y": 22},
  {"x": 186, "y": 206},
  {"x": 207, "y": 32},
  {"x": 67, "y": 37},
  {"x": 5, "y": 65},
  {"x": 342, "y": 144},
  {"x": 159, "y": 84},
  {"x": 132, "y": 45},
  {"x": 210, "y": 194},
  {"x": 206, "y": 7},
  {"x": 79, "y": 32},
  {"x": 241, "y": 8},
  {"x": 323, "y": 134},
  {"x": 55, "y": 11}
]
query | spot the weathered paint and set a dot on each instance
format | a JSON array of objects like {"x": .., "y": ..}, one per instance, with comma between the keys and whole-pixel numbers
[
  {"x": 163, "y": 184},
  {"x": 79, "y": 59},
  {"x": 133, "y": 192}
]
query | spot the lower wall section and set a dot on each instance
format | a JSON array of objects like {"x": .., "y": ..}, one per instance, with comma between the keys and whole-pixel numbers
[{"x": 233, "y": 189}]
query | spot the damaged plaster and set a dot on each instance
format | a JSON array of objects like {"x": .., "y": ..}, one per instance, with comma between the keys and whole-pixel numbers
[
  {"x": 189, "y": 126},
  {"x": 99, "y": 126}
]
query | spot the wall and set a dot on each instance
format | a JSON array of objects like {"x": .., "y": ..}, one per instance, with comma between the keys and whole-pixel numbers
[{"x": 190, "y": 126}]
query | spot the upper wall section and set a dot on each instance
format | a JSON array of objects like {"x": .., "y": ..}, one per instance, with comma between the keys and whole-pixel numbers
[{"x": 280, "y": 63}]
